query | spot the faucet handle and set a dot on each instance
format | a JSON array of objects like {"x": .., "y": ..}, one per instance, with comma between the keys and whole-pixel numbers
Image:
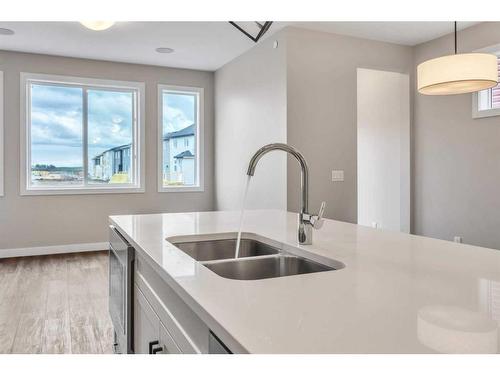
[{"x": 317, "y": 221}]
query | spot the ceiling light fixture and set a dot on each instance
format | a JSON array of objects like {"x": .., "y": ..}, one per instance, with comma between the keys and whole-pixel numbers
[
  {"x": 254, "y": 30},
  {"x": 6, "y": 31},
  {"x": 97, "y": 25},
  {"x": 460, "y": 73},
  {"x": 164, "y": 50}
]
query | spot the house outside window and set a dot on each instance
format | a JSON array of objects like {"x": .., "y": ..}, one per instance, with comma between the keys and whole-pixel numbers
[
  {"x": 180, "y": 131},
  {"x": 486, "y": 103},
  {"x": 81, "y": 135}
]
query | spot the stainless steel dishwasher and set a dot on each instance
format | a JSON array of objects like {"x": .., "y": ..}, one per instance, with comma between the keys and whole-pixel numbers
[{"x": 121, "y": 268}]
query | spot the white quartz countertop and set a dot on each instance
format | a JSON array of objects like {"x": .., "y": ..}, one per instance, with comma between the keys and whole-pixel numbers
[{"x": 398, "y": 293}]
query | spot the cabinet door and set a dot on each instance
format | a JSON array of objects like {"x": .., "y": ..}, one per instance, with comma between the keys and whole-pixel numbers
[
  {"x": 167, "y": 343},
  {"x": 146, "y": 324}
]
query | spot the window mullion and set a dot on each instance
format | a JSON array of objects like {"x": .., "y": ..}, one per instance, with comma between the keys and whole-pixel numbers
[{"x": 85, "y": 136}]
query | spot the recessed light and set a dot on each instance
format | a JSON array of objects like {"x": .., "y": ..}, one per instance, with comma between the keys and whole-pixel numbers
[
  {"x": 164, "y": 50},
  {"x": 97, "y": 25},
  {"x": 6, "y": 31}
]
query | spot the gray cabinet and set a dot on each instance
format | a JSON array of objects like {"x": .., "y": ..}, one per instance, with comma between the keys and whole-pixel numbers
[
  {"x": 150, "y": 335},
  {"x": 167, "y": 343},
  {"x": 146, "y": 324}
]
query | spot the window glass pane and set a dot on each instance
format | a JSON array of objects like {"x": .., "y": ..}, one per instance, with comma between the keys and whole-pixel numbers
[
  {"x": 489, "y": 99},
  {"x": 56, "y": 135},
  {"x": 110, "y": 120},
  {"x": 179, "y": 139}
]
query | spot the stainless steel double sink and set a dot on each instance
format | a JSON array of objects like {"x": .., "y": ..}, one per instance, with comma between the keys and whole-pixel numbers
[{"x": 257, "y": 259}]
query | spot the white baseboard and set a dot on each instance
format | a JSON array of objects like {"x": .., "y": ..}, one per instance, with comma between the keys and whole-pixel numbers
[{"x": 58, "y": 249}]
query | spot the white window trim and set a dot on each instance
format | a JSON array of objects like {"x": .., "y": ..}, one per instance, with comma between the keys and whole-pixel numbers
[
  {"x": 2, "y": 165},
  {"x": 476, "y": 113},
  {"x": 25, "y": 140},
  {"x": 199, "y": 140}
]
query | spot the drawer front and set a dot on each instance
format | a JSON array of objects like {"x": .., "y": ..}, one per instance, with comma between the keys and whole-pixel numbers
[
  {"x": 167, "y": 342},
  {"x": 146, "y": 324},
  {"x": 185, "y": 327}
]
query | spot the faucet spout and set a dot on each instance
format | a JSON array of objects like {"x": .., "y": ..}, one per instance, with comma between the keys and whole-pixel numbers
[
  {"x": 300, "y": 158},
  {"x": 306, "y": 220}
]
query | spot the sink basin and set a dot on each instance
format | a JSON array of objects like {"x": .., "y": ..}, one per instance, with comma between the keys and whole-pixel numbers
[
  {"x": 207, "y": 250},
  {"x": 257, "y": 259},
  {"x": 267, "y": 267}
]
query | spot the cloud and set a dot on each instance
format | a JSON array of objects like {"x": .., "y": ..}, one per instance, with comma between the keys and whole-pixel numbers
[
  {"x": 178, "y": 111},
  {"x": 55, "y": 128},
  {"x": 109, "y": 119},
  {"x": 57, "y": 120}
]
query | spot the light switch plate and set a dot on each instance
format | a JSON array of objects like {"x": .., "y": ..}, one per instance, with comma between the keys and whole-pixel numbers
[{"x": 337, "y": 175}]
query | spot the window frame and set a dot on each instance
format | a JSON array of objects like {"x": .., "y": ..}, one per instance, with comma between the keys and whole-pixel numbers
[
  {"x": 138, "y": 158},
  {"x": 476, "y": 113},
  {"x": 199, "y": 139}
]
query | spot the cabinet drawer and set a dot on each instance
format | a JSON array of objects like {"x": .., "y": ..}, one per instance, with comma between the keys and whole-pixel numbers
[
  {"x": 146, "y": 323},
  {"x": 186, "y": 329},
  {"x": 167, "y": 342}
]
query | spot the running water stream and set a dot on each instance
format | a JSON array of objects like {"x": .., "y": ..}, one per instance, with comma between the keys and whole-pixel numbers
[{"x": 242, "y": 215}]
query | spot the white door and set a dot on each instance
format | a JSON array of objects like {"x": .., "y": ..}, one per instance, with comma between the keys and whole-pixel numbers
[{"x": 383, "y": 127}]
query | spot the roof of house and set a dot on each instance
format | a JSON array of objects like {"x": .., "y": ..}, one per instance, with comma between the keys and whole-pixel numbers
[
  {"x": 187, "y": 131},
  {"x": 184, "y": 154},
  {"x": 122, "y": 147}
]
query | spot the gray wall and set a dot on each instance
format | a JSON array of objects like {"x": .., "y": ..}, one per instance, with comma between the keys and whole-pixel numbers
[
  {"x": 456, "y": 158},
  {"x": 321, "y": 111},
  {"x": 27, "y": 221},
  {"x": 250, "y": 107}
]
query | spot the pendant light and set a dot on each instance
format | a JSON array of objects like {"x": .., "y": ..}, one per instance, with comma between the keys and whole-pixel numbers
[
  {"x": 97, "y": 25},
  {"x": 457, "y": 74}
]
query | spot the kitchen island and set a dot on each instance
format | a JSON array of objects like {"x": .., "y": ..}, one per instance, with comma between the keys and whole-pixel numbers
[{"x": 397, "y": 293}]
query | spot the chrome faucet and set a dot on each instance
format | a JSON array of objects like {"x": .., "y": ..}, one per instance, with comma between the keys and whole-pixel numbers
[{"x": 307, "y": 221}]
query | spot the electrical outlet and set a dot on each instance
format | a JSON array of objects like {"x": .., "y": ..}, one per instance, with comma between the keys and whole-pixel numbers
[
  {"x": 457, "y": 239},
  {"x": 337, "y": 175}
]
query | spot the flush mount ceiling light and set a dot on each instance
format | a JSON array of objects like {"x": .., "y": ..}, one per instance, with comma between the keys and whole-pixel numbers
[
  {"x": 164, "y": 50},
  {"x": 254, "y": 30},
  {"x": 6, "y": 31},
  {"x": 457, "y": 74},
  {"x": 97, "y": 25}
]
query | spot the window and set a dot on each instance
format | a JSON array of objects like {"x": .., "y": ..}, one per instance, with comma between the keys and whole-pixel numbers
[
  {"x": 180, "y": 137},
  {"x": 81, "y": 135},
  {"x": 486, "y": 103}
]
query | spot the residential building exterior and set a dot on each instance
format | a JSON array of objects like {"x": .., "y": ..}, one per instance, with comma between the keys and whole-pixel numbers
[
  {"x": 111, "y": 162},
  {"x": 179, "y": 156},
  {"x": 178, "y": 161}
]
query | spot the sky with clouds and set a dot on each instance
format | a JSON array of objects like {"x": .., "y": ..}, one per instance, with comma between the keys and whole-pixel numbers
[
  {"x": 178, "y": 111},
  {"x": 57, "y": 122},
  {"x": 56, "y": 125}
]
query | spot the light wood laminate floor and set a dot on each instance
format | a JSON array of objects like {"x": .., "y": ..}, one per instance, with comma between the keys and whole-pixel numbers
[{"x": 55, "y": 304}]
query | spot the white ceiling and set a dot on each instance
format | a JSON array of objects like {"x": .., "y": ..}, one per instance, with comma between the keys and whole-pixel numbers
[
  {"x": 407, "y": 33},
  {"x": 197, "y": 45}
]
